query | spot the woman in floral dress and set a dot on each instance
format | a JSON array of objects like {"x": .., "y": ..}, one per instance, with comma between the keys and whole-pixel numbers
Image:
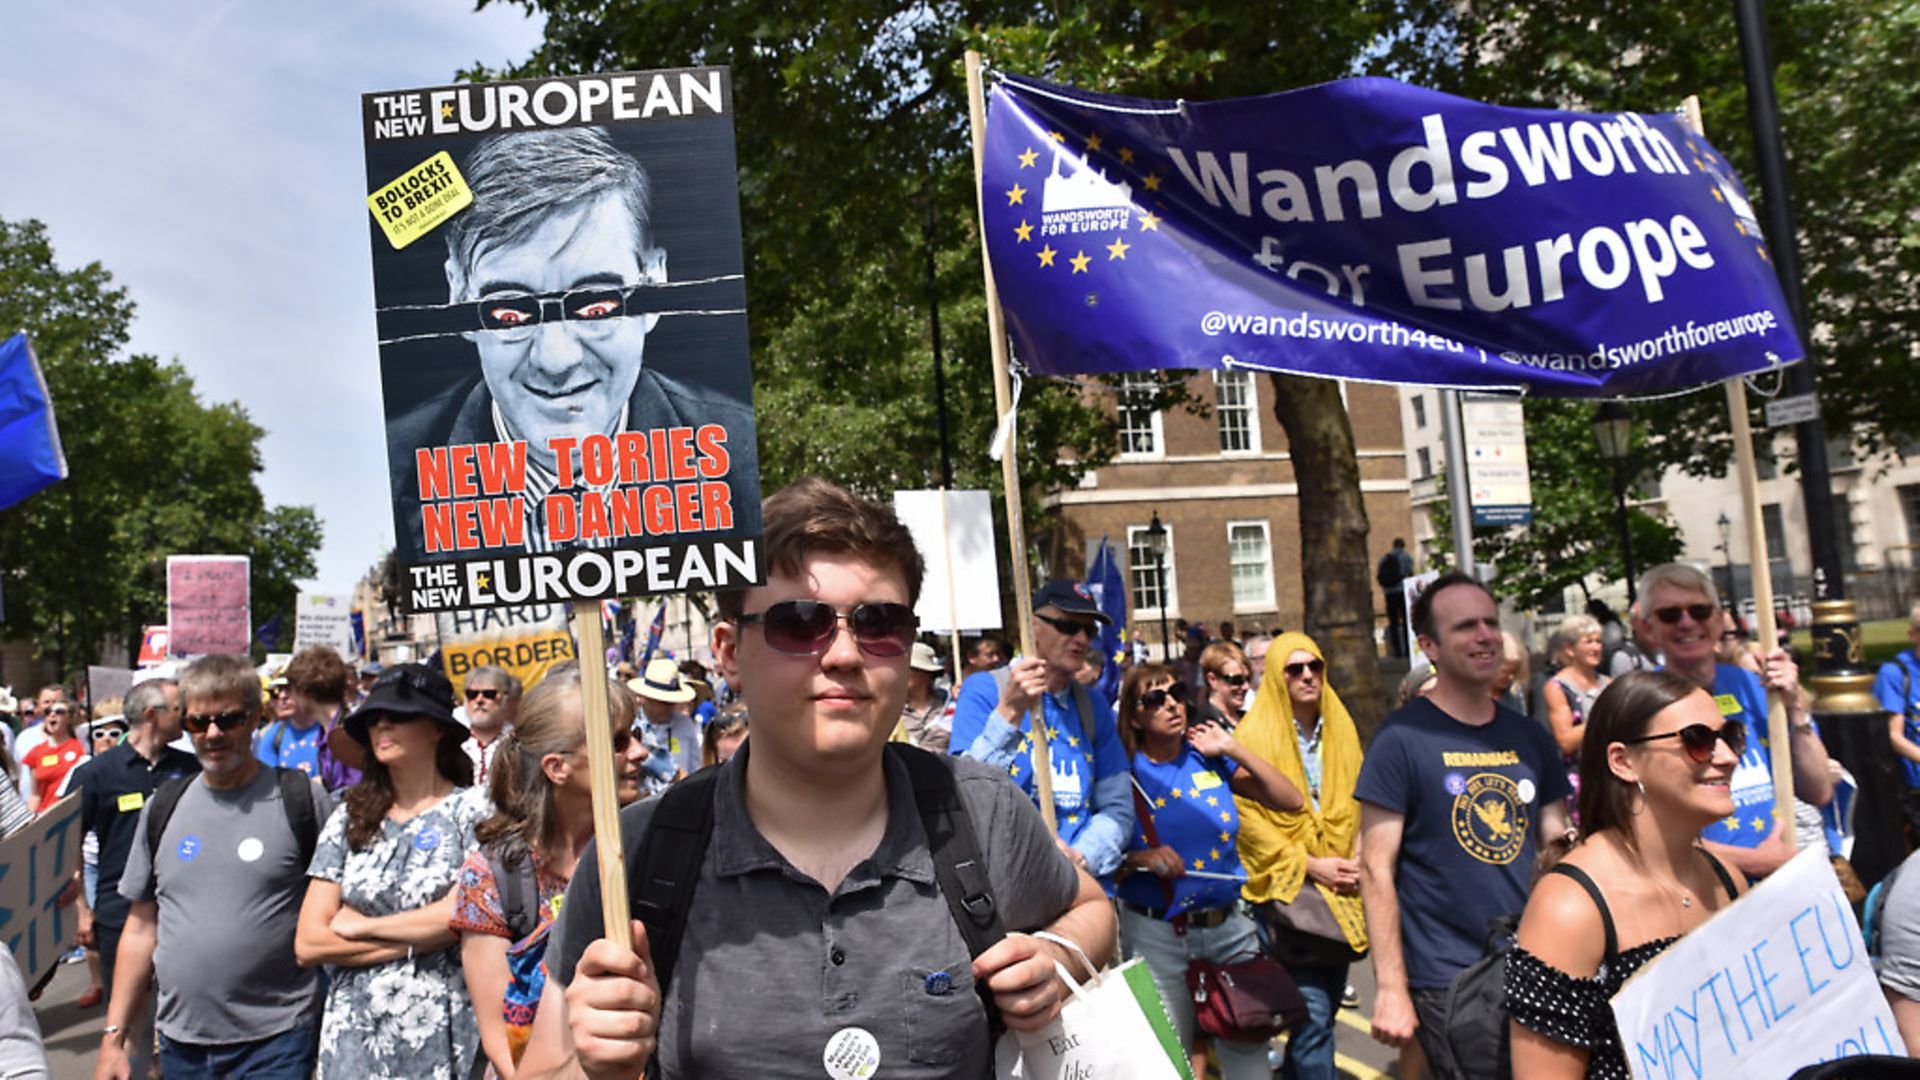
[{"x": 379, "y": 898}]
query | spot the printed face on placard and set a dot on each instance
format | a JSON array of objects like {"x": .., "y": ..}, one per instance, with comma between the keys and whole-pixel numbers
[{"x": 567, "y": 371}]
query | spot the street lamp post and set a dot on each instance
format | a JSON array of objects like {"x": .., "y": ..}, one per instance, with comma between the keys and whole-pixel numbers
[
  {"x": 1726, "y": 551},
  {"x": 1157, "y": 543},
  {"x": 1613, "y": 430}
]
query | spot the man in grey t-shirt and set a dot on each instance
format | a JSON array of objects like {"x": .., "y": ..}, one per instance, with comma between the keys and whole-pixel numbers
[{"x": 214, "y": 909}]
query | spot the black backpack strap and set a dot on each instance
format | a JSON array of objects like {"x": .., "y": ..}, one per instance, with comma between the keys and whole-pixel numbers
[
  {"x": 160, "y": 811},
  {"x": 512, "y": 869},
  {"x": 296, "y": 797},
  {"x": 1599, "y": 901},
  {"x": 957, "y": 862},
  {"x": 1720, "y": 871},
  {"x": 666, "y": 868}
]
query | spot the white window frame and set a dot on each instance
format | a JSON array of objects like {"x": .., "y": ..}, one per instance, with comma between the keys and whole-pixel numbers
[
  {"x": 1137, "y": 542},
  {"x": 1267, "y": 602},
  {"x": 1249, "y": 405},
  {"x": 1127, "y": 453}
]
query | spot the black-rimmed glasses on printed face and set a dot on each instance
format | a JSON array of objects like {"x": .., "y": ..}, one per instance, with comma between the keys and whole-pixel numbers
[{"x": 591, "y": 311}]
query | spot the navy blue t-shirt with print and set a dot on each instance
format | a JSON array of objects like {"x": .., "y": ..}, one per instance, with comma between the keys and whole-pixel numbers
[
  {"x": 1193, "y": 813},
  {"x": 1471, "y": 797}
]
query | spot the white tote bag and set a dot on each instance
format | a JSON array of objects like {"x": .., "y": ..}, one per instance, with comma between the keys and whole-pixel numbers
[{"x": 1114, "y": 1028}]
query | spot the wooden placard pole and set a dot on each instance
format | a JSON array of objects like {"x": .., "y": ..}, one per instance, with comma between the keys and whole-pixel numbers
[
  {"x": 1779, "y": 741},
  {"x": 1009, "y": 459},
  {"x": 606, "y": 804}
]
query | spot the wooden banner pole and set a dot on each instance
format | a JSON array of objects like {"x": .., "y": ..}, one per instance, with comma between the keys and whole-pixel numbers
[
  {"x": 1779, "y": 742},
  {"x": 606, "y": 804},
  {"x": 1009, "y": 460}
]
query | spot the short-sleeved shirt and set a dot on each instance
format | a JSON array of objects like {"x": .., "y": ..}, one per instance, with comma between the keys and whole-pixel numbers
[
  {"x": 1741, "y": 698},
  {"x": 228, "y": 883},
  {"x": 50, "y": 763},
  {"x": 1471, "y": 797},
  {"x": 1897, "y": 688},
  {"x": 290, "y": 747},
  {"x": 771, "y": 966},
  {"x": 478, "y": 909},
  {"x": 1193, "y": 813},
  {"x": 114, "y": 786},
  {"x": 671, "y": 747},
  {"x": 1080, "y": 758}
]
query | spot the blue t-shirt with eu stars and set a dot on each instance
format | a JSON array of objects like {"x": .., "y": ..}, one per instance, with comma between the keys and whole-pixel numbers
[
  {"x": 1897, "y": 688},
  {"x": 1741, "y": 698},
  {"x": 1471, "y": 797},
  {"x": 1193, "y": 813}
]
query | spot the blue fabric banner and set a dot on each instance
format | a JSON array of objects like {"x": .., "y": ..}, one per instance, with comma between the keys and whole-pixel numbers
[
  {"x": 1367, "y": 229},
  {"x": 30, "y": 454},
  {"x": 1104, "y": 581}
]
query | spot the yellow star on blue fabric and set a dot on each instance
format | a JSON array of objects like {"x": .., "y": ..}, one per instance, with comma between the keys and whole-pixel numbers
[
  {"x": 1216, "y": 853},
  {"x": 1027, "y": 159},
  {"x": 1093, "y": 142},
  {"x": 1080, "y": 261},
  {"x": 1732, "y": 822},
  {"x": 1016, "y": 195},
  {"x": 1758, "y": 822},
  {"x": 1073, "y": 740},
  {"x": 1199, "y": 864},
  {"x": 1118, "y": 249},
  {"x": 1024, "y": 231},
  {"x": 1160, "y": 802},
  {"x": 1226, "y": 838},
  {"x": 1176, "y": 793},
  {"x": 1212, "y": 801},
  {"x": 1224, "y": 816}
]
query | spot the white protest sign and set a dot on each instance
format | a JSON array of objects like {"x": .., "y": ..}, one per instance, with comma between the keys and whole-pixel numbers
[
  {"x": 36, "y": 864},
  {"x": 1774, "y": 982},
  {"x": 321, "y": 619},
  {"x": 969, "y": 538}
]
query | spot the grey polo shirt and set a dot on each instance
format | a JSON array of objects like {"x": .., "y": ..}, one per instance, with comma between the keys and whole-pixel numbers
[{"x": 771, "y": 967}]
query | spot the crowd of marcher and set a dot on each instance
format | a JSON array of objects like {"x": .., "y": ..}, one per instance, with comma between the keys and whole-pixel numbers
[{"x": 321, "y": 871}]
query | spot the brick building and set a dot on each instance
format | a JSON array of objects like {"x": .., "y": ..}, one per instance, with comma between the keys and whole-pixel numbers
[{"x": 1224, "y": 488}]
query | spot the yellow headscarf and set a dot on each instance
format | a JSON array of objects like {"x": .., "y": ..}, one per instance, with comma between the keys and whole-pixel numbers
[{"x": 1274, "y": 846}]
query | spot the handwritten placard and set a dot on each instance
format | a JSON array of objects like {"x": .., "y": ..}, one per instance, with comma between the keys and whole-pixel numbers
[
  {"x": 207, "y": 604},
  {"x": 321, "y": 619},
  {"x": 1774, "y": 982},
  {"x": 36, "y": 864}
]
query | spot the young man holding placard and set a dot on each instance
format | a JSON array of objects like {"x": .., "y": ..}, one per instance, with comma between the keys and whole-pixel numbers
[
  {"x": 1681, "y": 617},
  {"x": 820, "y": 896}
]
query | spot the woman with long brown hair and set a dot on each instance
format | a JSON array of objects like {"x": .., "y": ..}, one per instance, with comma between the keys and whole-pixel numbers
[
  {"x": 511, "y": 886},
  {"x": 380, "y": 891},
  {"x": 1655, "y": 764}
]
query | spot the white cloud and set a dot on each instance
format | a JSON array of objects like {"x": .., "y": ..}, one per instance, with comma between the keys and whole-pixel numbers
[{"x": 210, "y": 157}]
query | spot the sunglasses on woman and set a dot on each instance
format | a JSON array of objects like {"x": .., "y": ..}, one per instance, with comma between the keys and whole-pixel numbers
[
  {"x": 807, "y": 627},
  {"x": 1231, "y": 680},
  {"x": 1698, "y": 739},
  {"x": 1154, "y": 699}
]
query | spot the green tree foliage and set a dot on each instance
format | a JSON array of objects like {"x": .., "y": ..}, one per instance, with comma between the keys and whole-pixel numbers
[
  {"x": 1574, "y": 535},
  {"x": 1848, "y": 78},
  {"x": 153, "y": 471}
]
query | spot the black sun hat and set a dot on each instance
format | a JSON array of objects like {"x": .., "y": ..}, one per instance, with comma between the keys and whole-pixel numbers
[{"x": 406, "y": 690}]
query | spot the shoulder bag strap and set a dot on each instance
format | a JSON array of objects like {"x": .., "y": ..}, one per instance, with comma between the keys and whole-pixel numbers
[{"x": 666, "y": 869}]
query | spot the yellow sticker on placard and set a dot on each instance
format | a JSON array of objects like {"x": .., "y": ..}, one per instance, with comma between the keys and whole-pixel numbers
[
  {"x": 1204, "y": 779},
  {"x": 131, "y": 801},
  {"x": 418, "y": 200},
  {"x": 1729, "y": 705}
]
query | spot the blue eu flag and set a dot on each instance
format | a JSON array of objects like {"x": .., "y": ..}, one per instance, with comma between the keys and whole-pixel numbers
[
  {"x": 30, "y": 455},
  {"x": 1104, "y": 582}
]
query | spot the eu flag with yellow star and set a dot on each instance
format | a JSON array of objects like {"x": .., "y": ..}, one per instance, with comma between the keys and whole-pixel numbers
[{"x": 1369, "y": 229}]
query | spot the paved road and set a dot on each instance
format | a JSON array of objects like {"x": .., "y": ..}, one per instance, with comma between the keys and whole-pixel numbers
[{"x": 73, "y": 1034}]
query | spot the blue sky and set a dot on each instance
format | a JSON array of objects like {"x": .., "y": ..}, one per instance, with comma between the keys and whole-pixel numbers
[{"x": 209, "y": 155}]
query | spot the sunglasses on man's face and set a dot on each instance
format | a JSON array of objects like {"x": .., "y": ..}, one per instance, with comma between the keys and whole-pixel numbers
[
  {"x": 807, "y": 627},
  {"x": 1154, "y": 699},
  {"x": 1295, "y": 670},
  {"x": 1700, "y": 613},
  {"x": 198, "y": 723},
  {"x": 1698, "y": 739},
  {"x": 1071, "y": 627},
  {"x": 476, "y": 694}
]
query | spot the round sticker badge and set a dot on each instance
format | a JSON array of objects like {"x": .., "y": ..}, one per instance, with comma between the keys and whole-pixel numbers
[
  {"x": 1456, "y": 783},
  {"x": 852, "y": 1054},
  {"x": 428, "y": 839},
  {"x": 1526, "y": 789},
  {"x": 189, "y": 848},
  {"x": 251, "y": 849}
]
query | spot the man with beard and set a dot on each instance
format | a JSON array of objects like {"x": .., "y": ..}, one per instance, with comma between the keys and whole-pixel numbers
[
  {"x": 1092, "y": 797},
  {"x": 215, "y": 885}
]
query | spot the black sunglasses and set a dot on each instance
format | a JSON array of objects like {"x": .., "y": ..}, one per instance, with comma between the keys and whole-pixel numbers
[
  {"x": 807, "y": 627},
  {"x": 1231, "y": 680},
  {"x": 489, "y": 695},
  {"x": 198, "y": 723},
  {"x": 1296, "y": 670},
  {"x": 1671, "y": 615},
  {"x": 1071, "y": 627},
  {"x": 1698, "y": 739},
  {"x": 1154, "y": 699}
]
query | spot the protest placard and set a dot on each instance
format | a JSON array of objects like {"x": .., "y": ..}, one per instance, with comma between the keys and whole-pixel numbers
[
  {"x": 36, "y": 864},
  {"x": 561, "y": 306},
  {"x": 527, "y": 641},
  {"x": 322, "y": 619},
  {"x": 1777, "y": 980},
  {"x": 960, "y": 591},
  {"x": 153, "y": 647},
  {"x": 1370, "y": 229},
  {"x": 207, "y": 605},
  {"x": 108, "y": 683}
]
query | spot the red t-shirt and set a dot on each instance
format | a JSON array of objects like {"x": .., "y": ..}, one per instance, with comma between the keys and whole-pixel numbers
[{"x": 50, "y": 765}]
